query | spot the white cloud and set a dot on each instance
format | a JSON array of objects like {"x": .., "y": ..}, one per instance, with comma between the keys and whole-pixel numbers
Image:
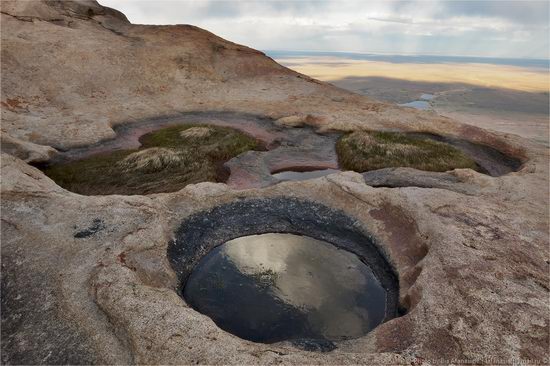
[{"x": 474, "y": 28}]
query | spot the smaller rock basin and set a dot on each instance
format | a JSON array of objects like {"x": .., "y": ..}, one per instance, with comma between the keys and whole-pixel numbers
[{"x": 303, "y": 174}]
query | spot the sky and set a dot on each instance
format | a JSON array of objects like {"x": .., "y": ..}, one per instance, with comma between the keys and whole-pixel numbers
[{"x": 510, "y": 29}]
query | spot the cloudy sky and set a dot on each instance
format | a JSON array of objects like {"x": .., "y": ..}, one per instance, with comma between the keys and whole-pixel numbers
[{"x": 465, "y": 28}]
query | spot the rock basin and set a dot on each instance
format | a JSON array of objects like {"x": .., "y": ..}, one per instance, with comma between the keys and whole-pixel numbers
[
  {"x": 273, "y": 287},
  {"x": 271, "y": 281}
]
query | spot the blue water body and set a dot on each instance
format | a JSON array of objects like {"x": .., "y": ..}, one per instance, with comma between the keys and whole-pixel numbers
[
  {"x": 418, "y": 104},
  {"x": 419, "y": 59}
]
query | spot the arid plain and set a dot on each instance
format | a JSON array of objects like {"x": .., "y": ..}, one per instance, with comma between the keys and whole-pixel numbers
[{"x": 500, "y": 97}]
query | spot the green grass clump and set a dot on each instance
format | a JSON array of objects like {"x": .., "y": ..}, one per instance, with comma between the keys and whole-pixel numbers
[
  {"x": 168, "y": 160},
  {"x": 363, "y": 151}
]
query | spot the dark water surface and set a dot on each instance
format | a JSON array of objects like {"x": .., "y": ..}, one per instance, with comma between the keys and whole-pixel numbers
[
  {"x": 274, "y": 287},
  {"x": 294, "y": 175}
]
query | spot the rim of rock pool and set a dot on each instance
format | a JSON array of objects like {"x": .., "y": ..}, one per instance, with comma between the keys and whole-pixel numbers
[{"x": 200, "y": 233}]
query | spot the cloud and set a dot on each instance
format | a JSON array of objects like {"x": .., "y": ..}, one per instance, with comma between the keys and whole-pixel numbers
[
  {"x": 519, "y": 12},
  {"x": 394, "y": 20},
  {"x": 473, "y": 28}
]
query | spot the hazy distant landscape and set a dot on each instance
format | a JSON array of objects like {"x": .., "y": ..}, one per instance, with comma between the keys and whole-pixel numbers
[{"x": 507, "y": 95}]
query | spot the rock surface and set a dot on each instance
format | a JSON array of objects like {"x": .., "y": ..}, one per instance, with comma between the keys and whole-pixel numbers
[
  {"x": 86, "y": 279},
  {"x": 26, "y": 150}
]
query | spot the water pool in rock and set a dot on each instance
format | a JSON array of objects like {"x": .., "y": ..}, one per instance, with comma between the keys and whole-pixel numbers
[
  {"x": 417, "y": 104},
  {"x": 275, "y": 287},
  {"x": 303, "y": 175}
]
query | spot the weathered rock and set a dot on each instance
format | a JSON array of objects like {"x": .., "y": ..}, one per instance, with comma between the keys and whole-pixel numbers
[
  {"x": 291, "y": 121},
  {"x": 408, "y": 177},
  {"x": 301, "y": 121},
  {"x": 26, "y": 150},
  {"x": 85, "y": 279},
  {"x": 456, "y": 257}
]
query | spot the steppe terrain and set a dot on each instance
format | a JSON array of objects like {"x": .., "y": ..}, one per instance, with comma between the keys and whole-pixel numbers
[
  {"x": 96, "y": 279},
  {"x": 500, "y": 97}
]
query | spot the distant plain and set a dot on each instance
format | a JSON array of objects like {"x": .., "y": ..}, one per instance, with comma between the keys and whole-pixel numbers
[{"x": 506, "y": 95}]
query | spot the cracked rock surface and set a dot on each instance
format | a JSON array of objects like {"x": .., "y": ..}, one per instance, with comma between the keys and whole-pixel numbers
[{"x": 86, "y": 279}]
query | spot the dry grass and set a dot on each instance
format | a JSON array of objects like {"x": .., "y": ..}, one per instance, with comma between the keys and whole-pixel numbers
[
  {"x": 151, "y": 160},
  {"x": 363, "y": 151},
  {"x": 196, "y": 132}
]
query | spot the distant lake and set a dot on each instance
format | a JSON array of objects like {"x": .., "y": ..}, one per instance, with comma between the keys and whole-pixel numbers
[
  {"x": 420, "y": 104},
  {"x": 417, "y": 104}
]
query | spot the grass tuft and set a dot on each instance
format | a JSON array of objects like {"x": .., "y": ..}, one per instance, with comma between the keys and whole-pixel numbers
[
  {"x": 196, "y": 132},
  {"x": 152, "y": 160},
  {"x": 362, "y": 151}
]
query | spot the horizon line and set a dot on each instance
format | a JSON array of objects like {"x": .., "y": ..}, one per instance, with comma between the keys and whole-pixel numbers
[{"x": 408, "y": 54}]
